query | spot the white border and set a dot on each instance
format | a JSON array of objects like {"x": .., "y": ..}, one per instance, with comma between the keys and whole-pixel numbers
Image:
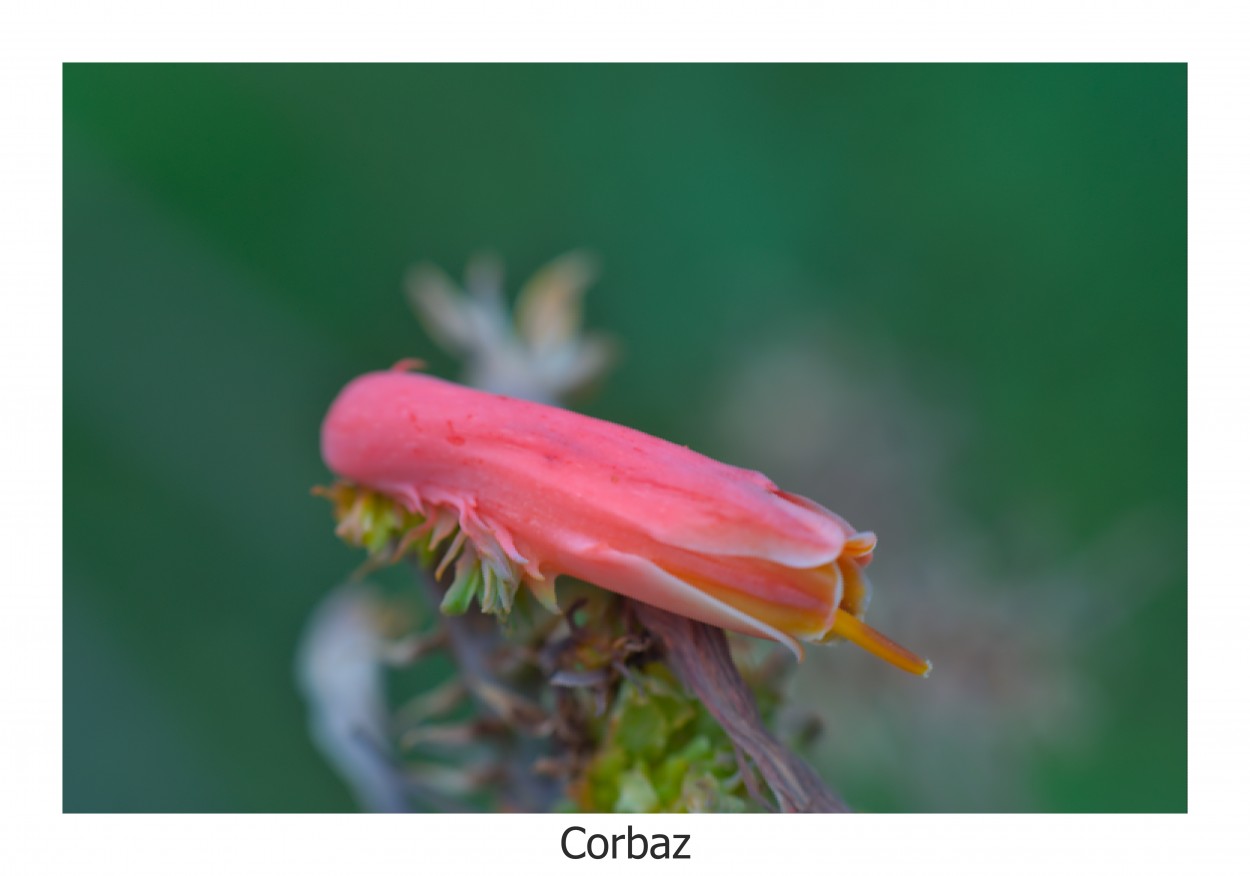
[{"x": 1212, "y": 37}]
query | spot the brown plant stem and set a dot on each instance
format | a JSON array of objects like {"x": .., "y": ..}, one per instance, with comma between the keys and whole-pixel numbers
[{"x": 700, "y": 656}]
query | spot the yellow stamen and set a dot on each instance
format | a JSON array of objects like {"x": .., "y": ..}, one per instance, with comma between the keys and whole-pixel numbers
[{"x": 852, "y": 629}]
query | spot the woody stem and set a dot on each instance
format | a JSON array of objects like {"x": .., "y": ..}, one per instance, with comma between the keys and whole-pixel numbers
[{"x": 700, "y": 656}]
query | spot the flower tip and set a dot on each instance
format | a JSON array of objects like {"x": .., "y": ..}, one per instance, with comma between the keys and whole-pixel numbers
[
  {"x": 851, "y": 628},
  {"x": 860, "y": 547}
]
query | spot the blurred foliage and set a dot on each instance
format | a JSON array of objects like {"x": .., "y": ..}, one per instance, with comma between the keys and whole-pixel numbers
[{"x": 1012, "y": 237}]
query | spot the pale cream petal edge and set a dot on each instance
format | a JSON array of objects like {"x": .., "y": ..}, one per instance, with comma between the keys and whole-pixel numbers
[{"x": 649, "y": 583}]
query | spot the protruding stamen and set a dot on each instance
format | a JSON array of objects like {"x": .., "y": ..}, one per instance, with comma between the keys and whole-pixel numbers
[{"x": 854, "y": 630}]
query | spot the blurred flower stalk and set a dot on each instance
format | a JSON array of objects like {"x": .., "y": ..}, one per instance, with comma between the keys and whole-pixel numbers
[
  {"x": 540, "y": 353},
  {"x": 609, "y": 705}
]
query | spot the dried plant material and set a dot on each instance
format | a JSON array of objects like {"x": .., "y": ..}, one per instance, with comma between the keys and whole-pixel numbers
[{"x": 700, "y": 656}]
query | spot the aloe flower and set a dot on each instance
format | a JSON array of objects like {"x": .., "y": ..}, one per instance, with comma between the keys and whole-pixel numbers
[{"x": 527, "y": 492}]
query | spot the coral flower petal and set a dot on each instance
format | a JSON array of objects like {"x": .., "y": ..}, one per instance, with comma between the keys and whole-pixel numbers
[{"x": 534, "y": 492}]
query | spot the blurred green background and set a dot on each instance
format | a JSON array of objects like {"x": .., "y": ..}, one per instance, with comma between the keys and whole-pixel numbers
[{"x": 235, "y": 240}]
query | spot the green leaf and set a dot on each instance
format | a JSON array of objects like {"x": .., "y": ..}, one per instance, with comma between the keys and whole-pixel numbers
[
  {"x": 642, "y": 730},
  {"x": 636, "y": 794},
  {"x": 463, "y": 589}
]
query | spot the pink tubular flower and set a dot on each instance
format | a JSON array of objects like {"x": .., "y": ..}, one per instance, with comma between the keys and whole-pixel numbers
[{"x": 537, "y": 492}]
